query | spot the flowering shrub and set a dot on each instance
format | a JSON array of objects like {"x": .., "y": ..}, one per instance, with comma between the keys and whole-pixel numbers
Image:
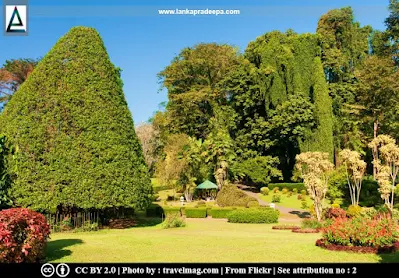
[
  {"x": 335, "y": 213},
  {"x": 353, "y": 211},
  {"x": 359, "y": 231},
  {"x": 265, "y": 190},
  {"x": 23, "y": 236}
]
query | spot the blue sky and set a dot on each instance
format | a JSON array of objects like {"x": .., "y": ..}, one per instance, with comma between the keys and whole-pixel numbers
[{"x": 142, "y": 42}]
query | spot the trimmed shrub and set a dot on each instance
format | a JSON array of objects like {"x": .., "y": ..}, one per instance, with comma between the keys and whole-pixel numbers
[
  {"x": 231, "y": 196},
  {"x": 171, "y": 210},
  {"x": 285, "y": 190},
  {"x": 295, "y": 190},
  {"x": 303, "y": 192},
  {"x": 276, "y": 190},
  {"x": 289, "y": 194},
  {"x": 265, "y": 190},
  {"x": 276, "y": 198},
  {"x": 254, "y": 215},
  {"x": 75, "y": 132},
  {"x": 253, "y": 204},
  {"x": 332, "y": 213},
  {"x": 23, "y": 236},
  {"x": 290, "y": 186},
  {"x": 359, "y": 231},
  {"x": 304, "y": 204},
  {"x": 173, "y": 221},
  {"x": 353, "y": 211},
  {"x": 195, "y": 212},
  {"x": 285, "y": 227},
  {"x": 335, "y": 205},
  {"x": 218, "y": 212},
  {"x": 299, "y": 197}
]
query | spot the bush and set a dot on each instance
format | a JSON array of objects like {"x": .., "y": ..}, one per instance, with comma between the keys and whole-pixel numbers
[
  {"x": 289, "y": 194},
  {"x": 156, "y": 189},
  {"x": 276, "y": 198},
  {"x": 201, "y": 203},
  {"x": 359, "y": 231},
  {"x": 395, "y": 215},
  {"x": 311, "y": 223},
  {"x": 303, "y": 192},
  {"x": 254, "y": 215},
  {"x": 295, "y": 190},
  {"x": 285, "y": 190},
  {"x": 353, "y": 211},
  {"x": 231, "y": 196},
  {"x": 304, "y": 204},
  {"x": 332, "y": 213},
  {"x": 23, "y": 236},
  {"x": 253, "y": 204},
  {"x": 368, "y": 212},
  {"x": 195, "y": 212},
  {"x": 335, "y": 205},
  {"x": 265, "y": 190},
  {"x": 171, "y": 210},
  {"x": 173, "y": 221},
  {"x": 290, "y": 186},
  {"x": 275, "y": 190},
  {"x": 217, "y": 212},
  {"x": 299, "y": 197}
]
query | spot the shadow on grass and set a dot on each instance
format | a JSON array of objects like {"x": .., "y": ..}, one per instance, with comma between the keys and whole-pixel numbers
[
  {"x": 148, "y": 221},
  {"x": 301, "y": 214},
  {"x": 389, "y": 258},
  {"x": 55, "y": 249}
]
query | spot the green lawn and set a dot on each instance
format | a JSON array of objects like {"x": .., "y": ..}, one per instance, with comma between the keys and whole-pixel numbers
[
  {"x": 203, "y": 240},
  {"x": 288, "y": 202}
]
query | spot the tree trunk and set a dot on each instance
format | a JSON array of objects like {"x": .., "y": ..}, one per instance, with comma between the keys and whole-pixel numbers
[{"x": 375, "y": 150}]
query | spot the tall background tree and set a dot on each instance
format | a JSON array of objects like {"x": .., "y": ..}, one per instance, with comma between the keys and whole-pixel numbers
[
  {"x": 73, "y": 133},
  {"x": 13, "y": 73}
]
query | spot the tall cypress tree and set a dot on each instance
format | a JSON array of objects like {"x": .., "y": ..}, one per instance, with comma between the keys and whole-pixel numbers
[{"x": 74, "y": 138}]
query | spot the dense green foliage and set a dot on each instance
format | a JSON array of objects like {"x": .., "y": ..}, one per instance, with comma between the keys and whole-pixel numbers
[
  {"x": 74, "y": 138},
  {"x": 254, "y": 215},
  {"x": 4, "y": 176},
  {"x": 166, "y": 211},
  {"x": 258, "y": 170},
  {"x": 173, "y": 221},
  {"x": 230, "y": 196},
  {"x": 199, "y": 212}
]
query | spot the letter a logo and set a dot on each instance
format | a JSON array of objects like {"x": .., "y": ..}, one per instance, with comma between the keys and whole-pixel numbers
[{"x": 16, "y": 19}]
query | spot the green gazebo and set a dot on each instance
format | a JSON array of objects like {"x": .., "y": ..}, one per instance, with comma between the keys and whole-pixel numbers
[{"x": 208, "y": 189}]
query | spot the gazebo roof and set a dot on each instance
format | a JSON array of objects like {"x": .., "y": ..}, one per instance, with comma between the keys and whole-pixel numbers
[{"x": 207, "y": 185}]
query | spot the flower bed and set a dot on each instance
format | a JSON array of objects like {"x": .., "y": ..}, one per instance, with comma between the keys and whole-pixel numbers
[
  {"x": 358, "y": 249},
  {"x": 285, "y": 227},
  {"x": 306, "y": 230},
  {"x": 359, "y": 234}
]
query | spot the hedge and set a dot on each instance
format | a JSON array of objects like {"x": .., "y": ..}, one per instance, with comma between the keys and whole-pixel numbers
[
  {"x": 254, "y": 215},
  {"x": 299, "y": 186},
  {"x": 218, "y": 212},
  {"x": 195, "y": 212},
  {"x": 171, "y": 210}
]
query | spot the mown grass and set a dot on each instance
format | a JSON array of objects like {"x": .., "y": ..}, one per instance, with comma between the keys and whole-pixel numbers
[
  {"x": 286, "y": 201},
  {"x": 203, "y": 240}
]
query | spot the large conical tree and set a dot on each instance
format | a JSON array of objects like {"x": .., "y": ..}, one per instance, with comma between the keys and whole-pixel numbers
[{"x": 74, "y": 137}]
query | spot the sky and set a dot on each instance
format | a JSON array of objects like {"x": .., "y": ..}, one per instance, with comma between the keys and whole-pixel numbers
[{"x": 142, "y": 43}]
